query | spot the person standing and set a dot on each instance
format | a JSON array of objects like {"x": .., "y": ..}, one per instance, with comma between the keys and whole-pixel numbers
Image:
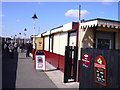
[
  {"x": 11, "y": 50},
  {"x": 15, "y": 46}
]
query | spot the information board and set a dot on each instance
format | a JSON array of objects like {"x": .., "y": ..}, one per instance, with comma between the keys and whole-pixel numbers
[{"x": 100, "y": 70}]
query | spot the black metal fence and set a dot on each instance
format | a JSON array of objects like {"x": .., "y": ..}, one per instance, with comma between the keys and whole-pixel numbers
[
  {"x": 89, "y": 74},
  {"x": 70, "y": 63}
]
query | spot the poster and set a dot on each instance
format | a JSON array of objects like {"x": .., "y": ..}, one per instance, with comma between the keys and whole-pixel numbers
[{"x": 40, "y": 62}]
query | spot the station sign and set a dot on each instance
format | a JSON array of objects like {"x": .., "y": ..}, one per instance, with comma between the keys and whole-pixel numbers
[{"x": 100, "y": 70}]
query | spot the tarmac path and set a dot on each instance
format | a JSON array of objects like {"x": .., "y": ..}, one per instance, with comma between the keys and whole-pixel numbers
[{"x": 19, "y": 73}]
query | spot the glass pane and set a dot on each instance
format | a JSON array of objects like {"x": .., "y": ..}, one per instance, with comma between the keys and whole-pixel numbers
[{"x": 103, "y": 43}]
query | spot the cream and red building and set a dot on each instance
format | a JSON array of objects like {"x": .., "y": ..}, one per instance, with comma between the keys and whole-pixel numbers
[
  {"x": 94, "y": 33},
  {"x": 55, "y": 40}
]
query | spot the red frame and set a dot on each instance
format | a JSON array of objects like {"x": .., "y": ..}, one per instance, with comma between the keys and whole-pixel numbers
[
  {"x": 35, "y": 60},
  {"x": 103, "y": 63}
]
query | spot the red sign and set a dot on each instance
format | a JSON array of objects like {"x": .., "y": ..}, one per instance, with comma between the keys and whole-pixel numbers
[
  {"x": 99, "y": 65},
  {"x": 86, "y": 59},
  {"x": 100, "y": 70}
]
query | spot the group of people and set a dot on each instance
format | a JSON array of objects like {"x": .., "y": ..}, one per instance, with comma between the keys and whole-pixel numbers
[{"x": 11, "y": 47}]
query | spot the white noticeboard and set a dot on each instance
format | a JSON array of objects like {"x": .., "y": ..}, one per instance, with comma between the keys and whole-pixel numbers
[{"x": 40, "y": 62}]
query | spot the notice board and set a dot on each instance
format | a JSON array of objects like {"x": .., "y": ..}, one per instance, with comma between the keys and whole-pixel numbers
[{"x": 100, "y": 70}]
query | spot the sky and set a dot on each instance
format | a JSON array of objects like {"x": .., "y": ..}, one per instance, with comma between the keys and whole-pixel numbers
[{"x": 16, "y": 16}]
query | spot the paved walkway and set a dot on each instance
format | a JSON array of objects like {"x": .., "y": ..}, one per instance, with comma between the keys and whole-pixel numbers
[
  {"x": 28, "y": 78},
  {"x": 19, "y": 73},
  {"x": 57, "y": 77}
]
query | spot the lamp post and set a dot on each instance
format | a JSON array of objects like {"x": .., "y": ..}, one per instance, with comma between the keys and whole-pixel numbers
[
  {"x": 11, "y": 38},
  {"x": 15, "y": 38},
  {"x": 25, "y": 35},
  {"x": 19, "y": 37},
  {"x": 34, "y": 27}
]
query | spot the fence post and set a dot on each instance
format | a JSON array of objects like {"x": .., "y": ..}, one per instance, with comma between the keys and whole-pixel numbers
[
  {"x": 75, "y": 63},
  {"x": 65, "y": 64}
]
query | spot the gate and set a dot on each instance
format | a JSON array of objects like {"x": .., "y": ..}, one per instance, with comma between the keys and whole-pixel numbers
[
  {"x": 99, "y": 75},
  {"x": 70, "y": 63}
]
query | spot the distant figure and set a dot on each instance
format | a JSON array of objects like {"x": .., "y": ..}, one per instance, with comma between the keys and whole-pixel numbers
[
  {"x": 11, "y": 49},
  {"x": 28, "y": 48},
  {"x": 15, "y": 46},
  {"x": 5, "y": 47},
  {"x": 22, "y": 47},
  {"x": 31, "y": 47}
]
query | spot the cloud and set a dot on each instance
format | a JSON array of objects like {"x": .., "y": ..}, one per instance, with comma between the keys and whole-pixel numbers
[
  {"x": 18, "y": 20},
  {"x": 108, "y": 0},
  {"x": 39, "y": 3},
  {"x": 2, "y": 26},
  {"x": 1, "y": 15},
  {"x": 102, "y": 12},
  {"x": 75, "y": 13}
]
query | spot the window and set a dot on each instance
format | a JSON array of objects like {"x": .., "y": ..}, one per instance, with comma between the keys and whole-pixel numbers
[{"x": 103, "y": 43}]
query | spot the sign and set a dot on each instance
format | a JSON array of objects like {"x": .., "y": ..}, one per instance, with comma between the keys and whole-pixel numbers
[
  {"x": 40, "y": 62},
  {"x": 85, "y": 60},
  {"x": 100, "y": 70}
]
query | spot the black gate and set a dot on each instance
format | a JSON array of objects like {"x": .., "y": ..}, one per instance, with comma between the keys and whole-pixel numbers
[
  {"x": 87, "y": 71},
  {"x": 70, "y": 63}
]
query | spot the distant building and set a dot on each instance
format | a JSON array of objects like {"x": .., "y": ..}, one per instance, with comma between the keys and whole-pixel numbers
[{"x": 38, "y": 40}]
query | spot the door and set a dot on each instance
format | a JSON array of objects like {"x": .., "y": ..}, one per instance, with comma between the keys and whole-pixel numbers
[{"x": 72, "y": 38}]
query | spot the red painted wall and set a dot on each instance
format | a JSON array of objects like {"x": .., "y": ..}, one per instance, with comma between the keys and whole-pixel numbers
[
  {"x": 55, "y": 59},
  {"x": 58, "y": 61}
]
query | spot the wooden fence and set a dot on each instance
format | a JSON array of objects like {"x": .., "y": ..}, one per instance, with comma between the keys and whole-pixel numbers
[
  {"x": 70, "y": 63},
  {"x": 91, "y": 77}
]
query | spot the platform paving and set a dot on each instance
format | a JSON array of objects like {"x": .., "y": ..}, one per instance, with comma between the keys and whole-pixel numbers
[
  {"x": 19, "y": 73},
  {"x": 28, "y": 78}
]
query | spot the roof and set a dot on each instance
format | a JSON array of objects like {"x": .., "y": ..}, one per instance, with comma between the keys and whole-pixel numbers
[
  {"x": 62, "y": 28},
  {"x": 101, "y": 23},
  {"x": 85, "y": 23},
  {"x": 101, "y": 19}
]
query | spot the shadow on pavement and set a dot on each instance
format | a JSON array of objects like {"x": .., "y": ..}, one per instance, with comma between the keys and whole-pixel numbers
[
  {"x": 9, "y": 70},
  {"x": 51, "y": 70}
]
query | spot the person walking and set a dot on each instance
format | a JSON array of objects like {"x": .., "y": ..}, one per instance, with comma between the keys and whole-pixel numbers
[
  {"x": 22, "y": 47},
  {"x": 28, "y": 48}
]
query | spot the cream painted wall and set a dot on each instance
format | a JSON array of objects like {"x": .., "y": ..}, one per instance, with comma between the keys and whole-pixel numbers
[
  {"x": 63, "y": 42},
  {"x": 72, "y": 41},
  {"x": 85, "y": 39},
  {"x": 88, "y": 39},
  {"x": 56, "y": 43},
  {"x": 60, "y": 41},
  {"x": 46, "y": 43}
]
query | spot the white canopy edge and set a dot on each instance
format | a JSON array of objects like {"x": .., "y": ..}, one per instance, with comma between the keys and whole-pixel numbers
[{"x": 101, "y": 23}]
